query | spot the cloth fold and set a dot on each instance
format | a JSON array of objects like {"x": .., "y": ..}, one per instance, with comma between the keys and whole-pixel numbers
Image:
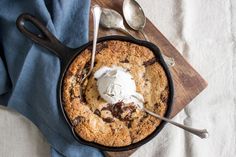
[{"x": 29, "y": 73}]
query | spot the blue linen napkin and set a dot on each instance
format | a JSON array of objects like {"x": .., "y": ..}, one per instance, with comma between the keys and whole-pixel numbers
[{"x": 29, "y": 73}]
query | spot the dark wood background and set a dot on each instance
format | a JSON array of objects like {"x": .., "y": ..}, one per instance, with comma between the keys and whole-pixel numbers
[{"x": 187, "y": 82}]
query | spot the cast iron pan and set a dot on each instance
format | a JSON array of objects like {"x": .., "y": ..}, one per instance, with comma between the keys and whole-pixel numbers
[{"x": 47, "y": 40}]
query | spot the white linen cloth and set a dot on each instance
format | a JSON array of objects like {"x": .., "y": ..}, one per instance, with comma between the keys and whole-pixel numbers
[{"x": 204, "y": 31}]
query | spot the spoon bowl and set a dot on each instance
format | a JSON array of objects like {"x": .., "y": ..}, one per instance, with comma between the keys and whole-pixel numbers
[
  {"x": 136, "y": 19},
  {"x": 134, "y": 15},
  {"x": 113, "y": 20}
]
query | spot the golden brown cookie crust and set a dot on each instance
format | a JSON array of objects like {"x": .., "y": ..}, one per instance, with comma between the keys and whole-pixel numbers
[{"x": 121, "y": 124}]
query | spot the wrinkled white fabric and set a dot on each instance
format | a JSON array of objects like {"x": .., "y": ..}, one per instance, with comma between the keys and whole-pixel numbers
[
  {"x": 19, "y": 137},
  {"x": 204, "y": 32}
]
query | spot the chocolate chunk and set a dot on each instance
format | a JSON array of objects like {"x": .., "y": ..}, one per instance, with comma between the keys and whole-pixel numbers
[
  {"x": 71, "y": 94},
  {"x": 164, "y": 97},
  {"x": 112, "y": 130},
  {"x": 81, "y": 73},
  {"x": 97, "y": 112},
  {"x": 86, "y": 66},
  {"x": 125, "y": 61},
  {"x": 77, "y": 120},
  {"x": 83, "y": 97},
  {"x": 127, "y": 117},
  {"x": 117, "y": 110},
  {"x": 98, "y": 97},
  {"x": 78, "y": 75},
  {"x": 69, "y": 73},
  {"x": 131, "y": 107},
  {"x": 108, "y": 107},
  {"x": 99, "y": 47},
  {"x": 150, "y": 62},
  {"x": 144, "y": 117},
  {"x": 129, "y": 124},
  {"x": 156, "y": 105},
  {"x": 108, "y": 120}
]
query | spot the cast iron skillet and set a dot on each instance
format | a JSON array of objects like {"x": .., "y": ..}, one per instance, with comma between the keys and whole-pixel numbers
[{"x": 47, "y": 40}]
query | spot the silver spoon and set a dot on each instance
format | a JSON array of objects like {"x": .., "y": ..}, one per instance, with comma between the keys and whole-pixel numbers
[
  {"x": 113, "y": 20},
  {"x": 96, "y": 10},
  {"x": 136, "y": 19},
  {"x": 202, "y": 133}
]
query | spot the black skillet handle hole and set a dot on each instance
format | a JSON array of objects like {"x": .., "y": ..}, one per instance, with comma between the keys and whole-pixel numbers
[{"x": 31, "y": 28}]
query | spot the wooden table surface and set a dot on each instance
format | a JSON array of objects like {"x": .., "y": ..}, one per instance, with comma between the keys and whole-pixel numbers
[{"x": 187, "y": 82}]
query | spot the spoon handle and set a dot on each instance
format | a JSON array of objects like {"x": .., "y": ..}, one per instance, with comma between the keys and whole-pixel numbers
[
  {"x": 170, "y": 61},
  {"x": 96, "y": 10},
  {"x": 144, "y": 35},
  {"x": 124, "y": 30},
  {"x": 202, "y": 133}
]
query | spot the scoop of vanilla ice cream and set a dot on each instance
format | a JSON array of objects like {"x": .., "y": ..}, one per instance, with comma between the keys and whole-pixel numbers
[{"x": 115, "y": 84}]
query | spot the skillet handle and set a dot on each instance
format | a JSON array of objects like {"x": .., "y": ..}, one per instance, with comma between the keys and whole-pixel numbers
[{"x": 46, "y": 39}]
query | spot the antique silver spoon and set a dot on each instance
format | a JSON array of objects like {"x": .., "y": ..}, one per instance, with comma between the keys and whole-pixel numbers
[
  {"x": 96, "y": 10},
  {"x": 202, "y": 133},
  {"x": 113, "y": 20},
  {"x": 136, "y": 19}
]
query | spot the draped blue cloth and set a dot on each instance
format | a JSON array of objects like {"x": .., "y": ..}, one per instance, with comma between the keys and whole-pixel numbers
[{"x": 29, "y": 73}]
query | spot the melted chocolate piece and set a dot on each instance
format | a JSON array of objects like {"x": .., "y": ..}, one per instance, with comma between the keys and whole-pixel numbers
[
  {"x": 131, "y": 108},
  {"x": 78, "y": 75},
  {"x": 71, "y": 94},
  {"x": 108, "y": 107},
  {"x": 99, "y": 47},
  {"x": 127, "y": 117},
  {"x": 119, "y": 108},
  {"x": 112, "y": 130},
  {"x": 125, "y": 61},
  {"x": 69, "y": 73},
  {"x": 145, "y": 103},
  {"x": 150, "y": 62},
  {"x": 83, "y": 97},
  {"x": 108, "y": 120},
  {"x": 97, "y": 112},
  {"x": 164, "y": 97},
  {"x": 127, "y": 70},
  {"x": 144, "y": 117},
  {"x": 156, "y": 105},
  {"x": 86, "y": 67},
  {"x": 77, "y": 120},
  {"x": 129, "y": 124}
]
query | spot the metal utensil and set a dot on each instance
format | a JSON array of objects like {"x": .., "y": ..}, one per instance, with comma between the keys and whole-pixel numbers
[
  {"x": 96, "y": 10},
  {"x": 113, "y": 20},
  {"x": 136, "y": 19},
  {"x": 202, "y": 133}
]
